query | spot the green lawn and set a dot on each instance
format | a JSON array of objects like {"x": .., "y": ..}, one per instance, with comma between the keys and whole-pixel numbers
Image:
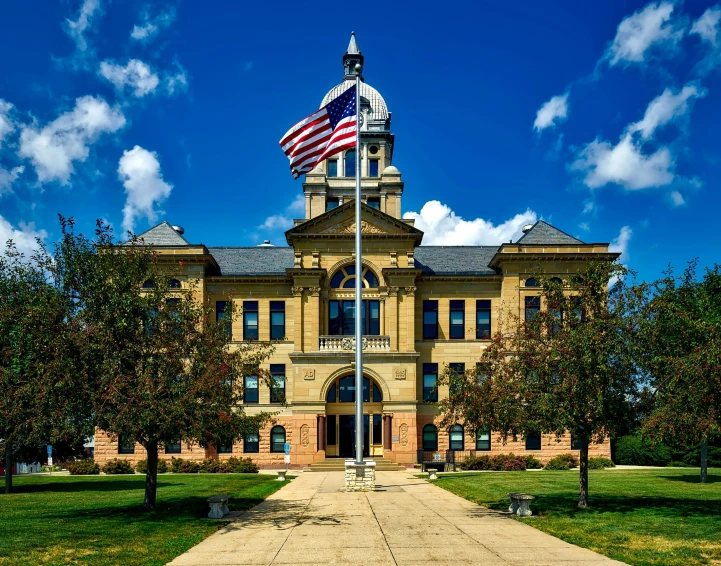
[
  {"x": 641, "y": 517},
  {"x": 99, "y": 520}
]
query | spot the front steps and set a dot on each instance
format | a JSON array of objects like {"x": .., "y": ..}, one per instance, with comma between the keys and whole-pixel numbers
[{"x": 338, "y": 465}]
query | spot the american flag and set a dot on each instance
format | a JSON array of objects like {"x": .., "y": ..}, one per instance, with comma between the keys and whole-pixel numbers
[{"x": 326, "y": 132}]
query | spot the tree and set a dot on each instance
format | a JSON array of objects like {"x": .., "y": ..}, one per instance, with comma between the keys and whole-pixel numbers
[
  {"x": 567, "y": 367},
  {"x": 680, "y": 339},
  {"x": 43, "y": 398},
  {"x": 163, "y": 371}
]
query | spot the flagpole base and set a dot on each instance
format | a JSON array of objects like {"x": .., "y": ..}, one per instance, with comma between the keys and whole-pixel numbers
[{"x": 360, "y": 477}]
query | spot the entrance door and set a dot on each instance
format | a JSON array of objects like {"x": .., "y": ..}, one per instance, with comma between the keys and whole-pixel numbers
[{"x": 346, "y": 436}]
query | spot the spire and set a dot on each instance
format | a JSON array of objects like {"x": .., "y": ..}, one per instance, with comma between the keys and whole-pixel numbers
[{"x": 352, "y": 57}]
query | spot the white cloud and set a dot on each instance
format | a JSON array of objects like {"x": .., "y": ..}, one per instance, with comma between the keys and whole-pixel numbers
[
  {"x": 25, "y": 237},
  {"x": 177, "y": 82},
  {"x": 588, "y": 206},
  {"x": 620, "y": 244},
  {"x": 584, "y": 226},
  {"x": 652, "y": 27},
  {"x": 8, "y": 177},
  {"x": 53, "y": 148},
  {"x": 624, "y": 164},
  {"x": 665, "y": 108},
  {"x": 139, "y": 170},
  {"x": 285, "y": 221},
  {"x": 77, "y": 29},
  {"x": 149, "y": 27},
  {"x": 677, "y": 198},
  {"x": 551, "y": 112},
  {"x": 135, "y": 75},
  {"x": 7, "y": 125},
  {"x": 441, "y": 226},
  {"x": 707, "y": 26}
]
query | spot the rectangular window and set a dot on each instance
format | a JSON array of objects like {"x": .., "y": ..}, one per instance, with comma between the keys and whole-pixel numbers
[
  {"x": 220, "y": 311},
  {"x": 373, "y": 168},
  {"x": 458, "y": 368},
  {"x": 333, "y": 168},
  {"x": 430, "y": 320},
  {"x": 483, "y": 439},
  {"x": 430, "y": 380},
  {"x": 533, "y": 306},
  {"x": 457, "y": 319},
  {"x": 225, "y": 448},
  {"x": 341, "y": 318},
  {"x": 250, "y": 389},
  {"x": 331, "y": 203},
  {"x": 150, "y": 322},
  {"x": 277, "y": 393},
  {"x": 575, "y": 442},
  {"x": 277, "y": 320},
  {"x": 250, "y": 320},
  {"x": 377, "y": 429},
  {"x": 173, "y": 448},
  {"x": 483, "y": 320},
  {"x": 374, "y": 203},
  {"x": 533, "y": 441},
  {"x": 578, "y": 312},
  {"x": 557, "y": 320},
  {"x": 125, "y": 446},
  {"x": 252, "y": 443},
  {"x": 330, "y": 430}
]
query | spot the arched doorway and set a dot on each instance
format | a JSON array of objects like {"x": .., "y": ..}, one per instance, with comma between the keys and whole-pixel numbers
[{"x": 340, "y": 415}]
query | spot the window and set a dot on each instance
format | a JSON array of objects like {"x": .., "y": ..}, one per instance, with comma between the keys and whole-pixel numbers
[
  {"x": 220, "y": 312},
  {"x": 331, "y": 203},
  {"x": 456, "y": 380},
  {"x": 250, "y": 320},
  {"x": 225, "y": 448},
  {"x": 430, "y": 320},
  {"x": 377, "y": 429},
  {"x": 333, "y": 168},
  {"x": 533, "y": 306},
  {"x": 483, "y": 439},
  {"x": 457, "y": 319},
  {"x": 346, "y": 389},
  {"x": 252, "y": 443},
  {"x": 173, "y": 306},
  {"x": 341, "y": 318},
  {"x": 173, "y": 448},
  {"x": 557, "y": 314},
  {"x": 174, "y": 284},
  {"x": 577, "y": 309},
  {"x": 532, "y": 282},
  {"x": 374, "y": 203},
  {"x": 344, "y": 278},
  {"x": 331, "y": 397},
  {"x": 377, "y": 395},
  {"x": 250, "y": 389},
  {"x": 533, "y": 441},
  {"x": 277, "y": 320},
  {"x": 277, "y": 392},
  {"x": 373, "y": 168},
  {"x": 277, "y": 439},
  {"x": 150, "y": 322},
  {"x": 556, "y": 280},
  {"x": 430, "y": 380},
  {"x": 149, "y": 284},
  {"x": 330, "y": 430},
  {"x": 483, "y": 320},
  {"x": 125, "y": 445},
  {"x": 455, "y": 437},
  {"x": 430, "y": 437},
  {"x": 350, "y": 163},
  {"x": 575, "y": 442}
]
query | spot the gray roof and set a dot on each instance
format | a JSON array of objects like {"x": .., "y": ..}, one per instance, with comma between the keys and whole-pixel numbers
[
  {"x": 455, "y": 260},
  {"x": 253, "y": 261},
  {"x": 163, "y": 235},
  {"x": 543, "y": 233}
]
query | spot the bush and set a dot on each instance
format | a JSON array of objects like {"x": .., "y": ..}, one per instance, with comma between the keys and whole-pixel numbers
[
  {"x": 600, "y": 463},
  {"x": 180, "y": 466},
  {"x": 116, "y": 466},
  {"x": 213, "y": 466},
  {"x": 83, "y": 468},
  {"x": 633, "y": 450},
  {"x": 562, "y": 462},
  {"x": 500, "y": 462},
  {"x": 532, "y": 463},
  {"x": 142, "y": 466},
  {"x": 693, "y": 458},
  {"x": 678, "y": 464},
  {"x": 241, "y": 465}
]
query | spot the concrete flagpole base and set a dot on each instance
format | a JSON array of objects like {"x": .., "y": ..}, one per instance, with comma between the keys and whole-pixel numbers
[{"x": 360, "y": 477}]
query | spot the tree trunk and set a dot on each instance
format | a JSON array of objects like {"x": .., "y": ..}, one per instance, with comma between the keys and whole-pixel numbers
[
  {"x": 8, "y": 467},
  {"x": 704, "y": 460},
  {"x": 583, "y": 481},
  {"x": 151, "y": 476}
]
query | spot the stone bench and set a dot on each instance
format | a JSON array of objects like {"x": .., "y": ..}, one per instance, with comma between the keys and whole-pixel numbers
[
  {"x": 521, "y": 504},
  {"x": 218, "y": 506}
]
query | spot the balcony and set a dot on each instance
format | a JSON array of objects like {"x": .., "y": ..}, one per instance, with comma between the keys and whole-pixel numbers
[{"x": 347, "y": 343}]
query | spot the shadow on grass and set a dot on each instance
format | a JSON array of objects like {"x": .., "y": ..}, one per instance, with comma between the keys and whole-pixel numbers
[
  {"x": 115, "y": 484},
  {"x": 693, "y": 478}
]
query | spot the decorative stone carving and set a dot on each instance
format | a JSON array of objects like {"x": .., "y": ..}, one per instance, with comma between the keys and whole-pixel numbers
[
  {"x": 366, "y": 228},
  {"x": 297, "y": 291},
  {"x": 308, "y": 374},
  {"x": 304, "y": 435},
  {"x": 404, "y": 434},
  {"x": 410, "y": 290},
  {"x": 298, "y": 260},
  {"x": 315, "y": 291},
  {"x": 392, "y": 291},
  {"x": 394, "y": 259},
  {"x": 316, "y": 259},
  {"x": 399, "y": 373},
  {"x": 411, "y": 259}
]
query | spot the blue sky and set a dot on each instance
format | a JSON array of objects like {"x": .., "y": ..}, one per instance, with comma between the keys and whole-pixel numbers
[{"x": 601, "y": 118}]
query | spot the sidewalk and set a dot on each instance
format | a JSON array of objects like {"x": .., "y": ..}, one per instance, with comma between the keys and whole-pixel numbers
[{"x": 407, "y": 521}]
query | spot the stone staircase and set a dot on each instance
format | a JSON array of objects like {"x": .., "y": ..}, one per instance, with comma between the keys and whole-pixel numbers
[{"x": 338, "y": 465}]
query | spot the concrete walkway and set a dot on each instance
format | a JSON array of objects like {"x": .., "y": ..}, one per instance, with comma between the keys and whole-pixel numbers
[{"x": 407, "y": 521}]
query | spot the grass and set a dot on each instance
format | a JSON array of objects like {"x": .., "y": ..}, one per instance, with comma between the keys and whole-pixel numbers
[
  {"x": 641, "y": 517},
  {"x": 100, "y": 520}
]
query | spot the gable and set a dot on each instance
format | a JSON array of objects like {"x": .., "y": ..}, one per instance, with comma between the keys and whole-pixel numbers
[
  {"x": 543, "y": 233},
  {"x": 163, "y": 235}
]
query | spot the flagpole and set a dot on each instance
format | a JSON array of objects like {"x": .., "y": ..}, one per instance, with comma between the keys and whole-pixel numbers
[{"x": 358, "y": 284}]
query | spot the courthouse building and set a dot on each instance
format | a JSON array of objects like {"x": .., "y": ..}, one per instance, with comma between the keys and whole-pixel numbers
[{"x": 424, "y": 307}]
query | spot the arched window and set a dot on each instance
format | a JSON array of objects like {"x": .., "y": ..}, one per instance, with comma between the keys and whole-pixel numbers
[
  {"x": 532, "y": 282},
  {"x": 149, "y": 284},
  {"x": 578, "y": 280},
  {"x": 455, "y": 435},
  {"x": 350, "y": 163},
  {"x": 430, "y": 437},
  {"x": 277, "y": 439},
  {"x": 174, "y": 284},
  {"x": 343, "y": 391},
  {"x": 344, "y": 278},
  {"x": 556, "y": 280}
]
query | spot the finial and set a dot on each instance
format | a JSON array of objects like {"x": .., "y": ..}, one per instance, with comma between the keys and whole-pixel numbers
[
  {"x": 352, "y": 45},
  {"x": 358, "y": 68}
]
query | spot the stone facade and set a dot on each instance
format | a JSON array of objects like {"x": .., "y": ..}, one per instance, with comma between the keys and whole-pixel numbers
[{"x": 310, "y": 279}]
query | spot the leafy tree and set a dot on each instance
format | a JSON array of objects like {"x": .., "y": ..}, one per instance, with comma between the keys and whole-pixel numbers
[
  {"x": 680, "y": 339},
  {"x": 163, "y": 370},
  {"x": 567, "y": 367}
]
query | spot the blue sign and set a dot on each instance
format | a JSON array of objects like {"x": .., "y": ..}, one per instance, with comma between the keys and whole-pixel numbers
[
  {"x": 50, "y": 451},
  {"x": 286, "y": 447}
]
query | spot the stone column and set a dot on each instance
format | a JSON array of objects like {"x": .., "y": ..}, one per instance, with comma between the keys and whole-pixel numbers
[
  {"x": 410, "y": 317},
  {"x": 387, "y": 432},
  {"x": 393, "y": 317},
  {"x": 314, "y": 321},
  {"x": 383, "y": 315},
  {"x": 297, "y": 318},
  {"x": 321, "y": 432}
]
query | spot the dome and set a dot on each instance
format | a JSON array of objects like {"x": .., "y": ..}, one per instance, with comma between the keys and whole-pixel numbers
[
  {"x": 379, "y": 110},
  {"x": 391, "y": 170}
]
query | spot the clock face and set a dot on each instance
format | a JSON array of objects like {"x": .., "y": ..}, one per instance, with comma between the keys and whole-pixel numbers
[{"x": 360, "y": 119}]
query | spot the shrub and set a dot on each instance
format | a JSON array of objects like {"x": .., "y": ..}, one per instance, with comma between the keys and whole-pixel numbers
[
  {"x": 532, "y": 463},
  {"x": 600, "y": 463},
  {"x": 678, "y": 464},
  {"x": 693, "y": 458},
  {"x": 636, "y": 451},
  {"x": 499, "y": 462},
  {"x": 514, "y": 465},
  {"x": 180, "y": 466},
  {"x": 241, "y": 465},
  {"x": 562, "y": 462},
  {"x": 116, "y": 466},
  {"x": 83, "y": 468},
  {"x": 212, "y": 466},
  {"x": 142, "y": 466}
]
